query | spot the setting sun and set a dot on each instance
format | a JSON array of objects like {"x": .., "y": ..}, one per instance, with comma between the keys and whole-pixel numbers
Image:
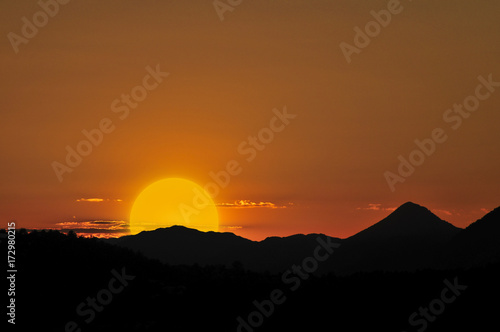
[
  {"x": 173, "y": 201},
  {"x": 228, "y": 165}
]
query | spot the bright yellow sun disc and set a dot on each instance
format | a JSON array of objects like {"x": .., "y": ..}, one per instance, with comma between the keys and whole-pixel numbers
[{"x": 173, "y": 201}]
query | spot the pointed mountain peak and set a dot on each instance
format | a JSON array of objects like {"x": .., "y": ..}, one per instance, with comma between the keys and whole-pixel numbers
[
  {"x": 410, "y": 204},
  {"x": 411, "y": 208},
  {"x": 409, "y": 219},
  {"x": 411, "y": 214}
]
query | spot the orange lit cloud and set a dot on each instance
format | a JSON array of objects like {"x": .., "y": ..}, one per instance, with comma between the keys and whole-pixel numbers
[
  {"x": 244, "y": 203},
  {"x": 96, "y": 228},
  {"x": 448, "y": 213},
  {"x": 376, "y": 207},
  {"x": 98, "y": 200},
  {"x": 229, "y": 228}
]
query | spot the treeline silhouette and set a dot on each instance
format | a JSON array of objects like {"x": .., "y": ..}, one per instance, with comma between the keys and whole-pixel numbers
[{"x": 57, "y": 272}]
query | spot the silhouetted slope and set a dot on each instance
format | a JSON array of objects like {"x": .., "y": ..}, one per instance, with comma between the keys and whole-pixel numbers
[
  {"x": 181, "y": 245},
  {"x": 409, "y": 220},
  {"x": 478, "y": 244},
  {"x": 59, "y": 273},
  {"x": 410, "y": 238},
  {"x": 277, "y": 254}
]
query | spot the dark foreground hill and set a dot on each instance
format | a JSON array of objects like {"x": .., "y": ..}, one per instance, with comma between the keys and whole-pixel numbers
[{"x": 65, "y": 283}]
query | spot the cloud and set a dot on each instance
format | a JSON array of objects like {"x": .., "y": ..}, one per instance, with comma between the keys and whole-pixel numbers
[
  {"x": 376, "y": 207},
  {"x": 244, "y": 203},
  {"x": 98, "y": 200},
  {"x": 448, "y": 213},
  {"x": 96, "y": 228},
  {"x": 231, "y": 228}
]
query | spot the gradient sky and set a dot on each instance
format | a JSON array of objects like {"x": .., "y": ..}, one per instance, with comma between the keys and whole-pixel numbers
[{"x": 325, "y": 170}]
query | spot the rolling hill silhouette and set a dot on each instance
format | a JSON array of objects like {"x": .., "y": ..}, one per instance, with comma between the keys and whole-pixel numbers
[
  {"x": 180, "y": 245},
  {"x": 410, "y": 238}
]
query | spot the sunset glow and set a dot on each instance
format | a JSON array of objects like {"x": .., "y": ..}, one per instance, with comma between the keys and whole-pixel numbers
[
  {"x": 324, "y": 127},
  {"x": 172, "y": 202}
]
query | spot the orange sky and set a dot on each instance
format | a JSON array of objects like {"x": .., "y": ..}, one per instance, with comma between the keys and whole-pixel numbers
[{"x": 225, "y": 78}]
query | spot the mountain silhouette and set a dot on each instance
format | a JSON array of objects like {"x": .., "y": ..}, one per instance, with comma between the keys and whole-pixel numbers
[
  {"x": 408, "y": 239},
  {"x": 63, "y": 274},
  {"x": 180, "y": 245},
  {"x": 409, "y": 220},
  {"x": 478, "y": 244}
]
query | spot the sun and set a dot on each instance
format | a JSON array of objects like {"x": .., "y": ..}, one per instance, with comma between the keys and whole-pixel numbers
[{"x": 173, "y": 201}]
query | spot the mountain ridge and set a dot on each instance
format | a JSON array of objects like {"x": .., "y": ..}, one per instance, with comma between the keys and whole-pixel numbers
[
  {"x": 478, "y": 243},
  {"x": 408, "y": 239}
]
